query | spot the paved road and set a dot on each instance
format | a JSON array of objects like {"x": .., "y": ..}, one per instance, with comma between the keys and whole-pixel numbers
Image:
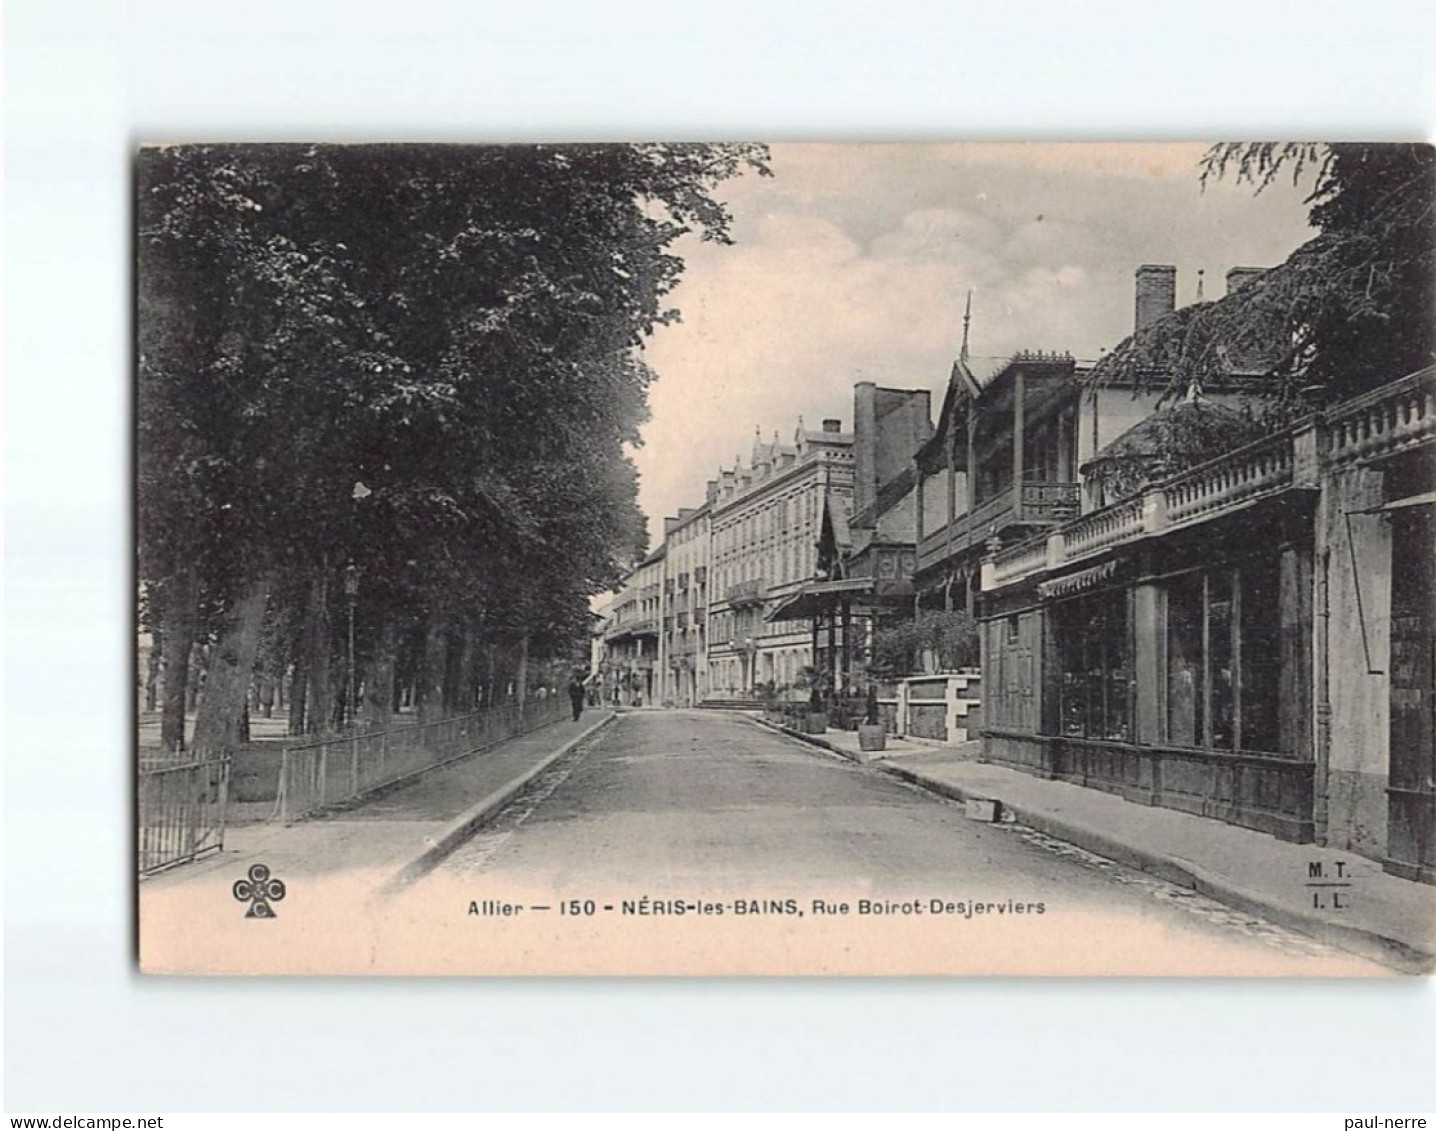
[{"x": 695, "y": 805}]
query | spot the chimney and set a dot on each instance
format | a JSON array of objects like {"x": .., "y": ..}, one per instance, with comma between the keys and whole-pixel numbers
[
  {"x": 889, "y": 425},
  {"x": 1238, "y": 277},
  {"x": 670, "y": 524},
  {"x": 832, "y": 426},
  {"x": 711, "y": 491},
  {"x": 1156, "y": 292},
  {"x": 865, "y": 444}
]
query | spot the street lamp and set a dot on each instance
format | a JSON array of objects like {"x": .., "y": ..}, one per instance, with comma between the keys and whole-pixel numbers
[{"x": 351, "y": 597}]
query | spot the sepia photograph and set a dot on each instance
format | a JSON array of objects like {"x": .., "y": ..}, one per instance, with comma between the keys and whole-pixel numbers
[{"x": 792, "y": 559}]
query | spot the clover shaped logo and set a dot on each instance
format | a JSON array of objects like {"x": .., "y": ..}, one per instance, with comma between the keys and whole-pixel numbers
[{"x": 261, "y": 890}]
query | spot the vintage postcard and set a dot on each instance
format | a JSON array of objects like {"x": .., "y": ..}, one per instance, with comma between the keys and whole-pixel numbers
[{"x": 795, "y": 559}]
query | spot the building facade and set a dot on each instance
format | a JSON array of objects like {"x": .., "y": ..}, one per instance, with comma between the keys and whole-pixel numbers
[
  {"x": 683, "y": 642},
  {"x": 764, "y": 527},
  {"x": 865, "y": 556},
  {"x": 1249, "y": 640}
]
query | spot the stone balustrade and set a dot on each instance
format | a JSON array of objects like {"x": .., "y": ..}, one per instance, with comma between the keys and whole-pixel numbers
[{"x": 1382, "y": 423}]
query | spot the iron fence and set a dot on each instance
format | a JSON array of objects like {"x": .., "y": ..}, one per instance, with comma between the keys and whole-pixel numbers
[
  {"x": 181, "y": 811},
  {"x": 342, "y": 768}
]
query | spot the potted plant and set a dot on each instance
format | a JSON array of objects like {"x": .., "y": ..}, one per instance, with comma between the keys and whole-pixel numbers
[{"x": 872, "y": 735}]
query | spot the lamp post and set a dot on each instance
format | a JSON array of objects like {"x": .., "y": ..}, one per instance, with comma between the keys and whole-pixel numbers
[{"x": 351, "y": 597}]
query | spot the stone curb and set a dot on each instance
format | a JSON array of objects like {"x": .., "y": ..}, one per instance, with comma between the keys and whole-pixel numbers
[
  {"x": 467, "y": 823},
  {"x": 1365, "y": 942}
]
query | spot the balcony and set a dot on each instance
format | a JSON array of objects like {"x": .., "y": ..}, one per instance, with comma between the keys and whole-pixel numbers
[
  {"x": 682, "y": 582},
  {"x": 747, "y": 594},
  {"x": 628, "y": 630},
  {"x": 1034, "y": 504},
  {"x": 1220, "y": 486},
  {"x": 700, "y": 575}
]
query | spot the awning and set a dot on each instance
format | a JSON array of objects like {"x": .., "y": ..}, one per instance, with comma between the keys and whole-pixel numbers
[
  {"x": 1077, "y": 582},
  {"x": 817, "y": 598}
]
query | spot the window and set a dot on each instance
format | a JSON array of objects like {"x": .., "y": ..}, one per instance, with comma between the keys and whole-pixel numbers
[
  {"x": 1094, "y": 661},
  {"x": 1224, "y": 657}
]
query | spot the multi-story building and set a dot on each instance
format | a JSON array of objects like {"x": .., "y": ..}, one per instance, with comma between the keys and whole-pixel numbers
[
  {"x": 765, "y": 521},
  {"x": 629, "y": 665},
  {"x": 683, "y": 641},
  {"x": 742, "y": 581},
  {"x": 1246, "y": 637}
]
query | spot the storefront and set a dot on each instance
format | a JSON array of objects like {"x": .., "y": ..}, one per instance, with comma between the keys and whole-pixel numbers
[{"x": 1174, "y": 672}]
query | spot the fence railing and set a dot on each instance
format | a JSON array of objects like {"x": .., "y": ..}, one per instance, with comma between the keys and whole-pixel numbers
[
  {"x": 342, "y": 768},
  {"x": 1384, "y": 421},
  {"x": 181, "y": 812}
]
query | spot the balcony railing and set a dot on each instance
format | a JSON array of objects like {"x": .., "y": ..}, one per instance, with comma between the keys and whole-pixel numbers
[
  {"x": 1386, "y": 422},
  {"x": 746, "y": 593},
  {"x": 1220, "y": 485},
  {"x": 1034, "y": 504},
  {"x": 645, "y": 626},
  {"x": 1255, "y": 470}
]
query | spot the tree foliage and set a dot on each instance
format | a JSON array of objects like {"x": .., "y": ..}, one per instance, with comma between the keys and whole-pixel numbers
[
  {"x": 1348, "y": 310},
  {"x": 949, "y": 637}
]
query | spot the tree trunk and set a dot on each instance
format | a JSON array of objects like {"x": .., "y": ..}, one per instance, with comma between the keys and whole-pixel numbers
[
  {"x": 430, "y": 691},
  {"x": 461, "y": 689},
  {"x": 318, "y": 647},
  {"x": 152, "y": 672},
  {"x": 297, "y": 681},
  {"x": 491, "y": 656},
  {"x": 231, "y": 667},
  {"x": 379, "y": 692},
  {"x": 181, "y": 607},
  {"x": 521, "y": 683},
  {"x": 198, "y": 671}
]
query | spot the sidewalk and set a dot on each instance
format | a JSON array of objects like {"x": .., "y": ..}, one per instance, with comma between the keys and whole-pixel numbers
[
  {"x": 1387, "y": 919},
  {"x": 398, "y": 833}
]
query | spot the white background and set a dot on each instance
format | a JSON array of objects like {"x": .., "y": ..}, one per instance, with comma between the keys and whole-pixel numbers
[{"x": 85, "y": 80}]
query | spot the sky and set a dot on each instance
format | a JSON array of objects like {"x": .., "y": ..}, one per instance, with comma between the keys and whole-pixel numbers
[{"x": 853, "y": 263}]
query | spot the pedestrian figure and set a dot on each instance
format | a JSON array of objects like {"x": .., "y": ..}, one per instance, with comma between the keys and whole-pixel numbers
[{"x": 575, "y": 695}]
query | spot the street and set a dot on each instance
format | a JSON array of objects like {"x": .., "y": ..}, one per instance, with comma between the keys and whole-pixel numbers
[{"x": 672, "y": 805}]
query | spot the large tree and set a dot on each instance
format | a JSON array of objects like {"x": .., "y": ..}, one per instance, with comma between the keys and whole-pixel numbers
[{"x": 419, "y": 361}]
